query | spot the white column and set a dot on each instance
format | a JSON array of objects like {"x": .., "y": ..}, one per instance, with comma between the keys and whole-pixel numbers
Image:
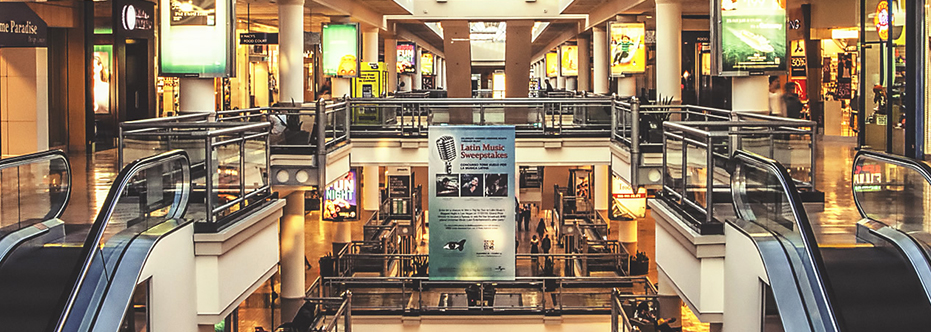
[
  {"x": 600, "y": 57},
  {"x": 291, "y": 51},
  {"x": 572, "y": 83},
  {"x": 343, "y": 235},
  {"x": 627, "y": 86},
  {"x": 585, "y": 66},
  {"x": 417, "y": 77},
  {"x": 438, "y": 68},
  {"x": 370, "y": 45},
  {"x": 602, "y": 186},
  {"x": 560, "y": 82},
  {"x": 196, "y": 95},
  {"x": 370, "y": 190},
  {"x": 406, "y": 79},
  {"x": 24, "y": 98},
  {"x": 668, "y": 49},
  {"x": 750, "y": 94},
  {"x": 291, "y": 232},
  {"x": 391, "y": 63}
]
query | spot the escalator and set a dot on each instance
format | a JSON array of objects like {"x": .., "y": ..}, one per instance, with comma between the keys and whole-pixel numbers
[
  {"x": 876, "y": 283},
  {"x": 82, "y": 277}
]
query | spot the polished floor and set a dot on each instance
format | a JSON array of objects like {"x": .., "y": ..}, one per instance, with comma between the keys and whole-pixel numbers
[{"x": 834, "y": 221}]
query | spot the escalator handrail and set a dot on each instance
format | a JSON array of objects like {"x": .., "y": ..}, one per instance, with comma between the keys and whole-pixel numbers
[
  {"x": 801, "y": 218},
  {"x": 919, "y": 167},
  {"x": 43, "y": 156},
  {"x": 97, "y": 230}
]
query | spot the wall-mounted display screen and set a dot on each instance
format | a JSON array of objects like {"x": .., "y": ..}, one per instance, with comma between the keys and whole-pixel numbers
[
  {"x": 340, "y": 200},
  {"x": 569, "y": 60},
  {"x": 627, "y": 48},
  {"x": 103, "y": 58},
  {"x": 196, "y": 25},
  {"x": 751, "y": 38},
  {"x": 407, "y": 53},
  {"x": 552, "y": 64},
  {"x": 340, "y": 49}
]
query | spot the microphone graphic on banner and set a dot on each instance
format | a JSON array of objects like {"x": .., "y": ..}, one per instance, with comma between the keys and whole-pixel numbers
[{"x": 446, "y": 146}]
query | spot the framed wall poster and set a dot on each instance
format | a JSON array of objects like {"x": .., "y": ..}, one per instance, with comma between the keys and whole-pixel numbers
[
  {"x": 749, "y": 37},
  {"x": 627, "y": 48}
]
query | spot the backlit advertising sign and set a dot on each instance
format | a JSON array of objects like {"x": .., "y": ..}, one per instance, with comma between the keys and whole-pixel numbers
[
  {"x": 627, "y": 49},
  {"x": 751, "y": 37},
  {"x": 407, "y": 61},
  {"x": 426, "y": 63},
  {"x": 340, "y": 200},
  {"x": 340, "y": 49},
  {"x": 552, "y": 64},
  {"x": 569, "y": 60},
  {"x": 189, "y": 28}
]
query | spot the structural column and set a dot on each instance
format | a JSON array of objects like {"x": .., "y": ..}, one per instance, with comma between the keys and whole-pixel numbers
[
  {"x": 750, "y": 94},
  {"x": 370, "y": 45},
  {"x": 600, "y": 57},
  {"x": 196, "y": 95},
  {"x": 560, "y": 81},
  {"x": 458, "y": 67},
  {"x": 370, "y": 190},
  {"x": 291, "y": 51},
  {"x": 668, "y": 49},
  {"x": 585, "y": 66},
  {"x": 391, "y": 63},
  {"x": 517, "y": 58},
  {"x": 417, "y": 77},
  {"x": 291, "y": 244},
  {"x": 24, "y": 118}
]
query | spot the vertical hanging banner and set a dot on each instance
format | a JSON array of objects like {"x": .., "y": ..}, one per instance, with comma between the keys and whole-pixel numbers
[
  {"x": 552, "y": 64},
  {"x": 628, "y": 48},
  {"x": 472, "y": 203},
  {"x": 569, "y": 64},
  {"x": 426, "y": 63},
  {"x": 188, "y": 26},
  {"x": 751, "y": 37},
  {"x": 340, "y": 49}
]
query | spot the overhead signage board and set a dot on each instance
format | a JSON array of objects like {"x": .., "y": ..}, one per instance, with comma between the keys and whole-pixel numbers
[
  {"x": 197, "y": 25},
  {"x": 472, "y": 205},
  {"x": 258, "y": 38},
  {"x": 426, "y": 63},
  {"x": 21, "y": 27},
  {"x": 407, "y": 62},
  {"x": 341, "y": 49},
  {"x": 552, "y": 64},
  {"x": 569, "y": 60},
  {"x": 750, "y": 37},
  {"x": 628, "y": 51}
]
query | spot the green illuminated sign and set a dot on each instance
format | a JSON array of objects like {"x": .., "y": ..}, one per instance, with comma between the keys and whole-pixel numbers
[
  {"x": 198, "y": 39},
  {"x": 341, "y": 49},
  {"x": 751, "y": 37}
]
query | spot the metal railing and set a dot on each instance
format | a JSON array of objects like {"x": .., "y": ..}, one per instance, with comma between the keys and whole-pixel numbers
[
  {"x": 696, "y": 154},
  {"x": 419, "y": 295},
  {"x": 295, "y": 129},
  {"x": 229, "y": 162},
  {"x": 623, "y": 308},
  {"x": 329, "y": 311}
]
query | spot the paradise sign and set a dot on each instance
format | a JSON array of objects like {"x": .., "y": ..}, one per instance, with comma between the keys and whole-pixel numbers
[{"x": 751, "y": 37}]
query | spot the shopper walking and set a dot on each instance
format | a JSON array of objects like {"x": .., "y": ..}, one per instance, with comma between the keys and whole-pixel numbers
[{"x": 545, "y": 244}]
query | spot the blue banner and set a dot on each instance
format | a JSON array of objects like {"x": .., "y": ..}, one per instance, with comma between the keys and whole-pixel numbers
[{"x": 472, "y": 203}]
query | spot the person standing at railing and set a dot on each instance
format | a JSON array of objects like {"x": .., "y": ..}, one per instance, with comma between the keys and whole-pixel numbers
[{"x": 777, "y": 107}]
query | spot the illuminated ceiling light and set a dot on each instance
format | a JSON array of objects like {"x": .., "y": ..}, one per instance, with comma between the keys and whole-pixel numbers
[{"x": 282, "y": 176}]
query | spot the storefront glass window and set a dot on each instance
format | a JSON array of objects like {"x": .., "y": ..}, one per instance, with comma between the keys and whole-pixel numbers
[{"x": 883, "y": 78}]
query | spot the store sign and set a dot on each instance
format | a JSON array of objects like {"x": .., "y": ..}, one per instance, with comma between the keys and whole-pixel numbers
[
  {"x": 341, "y": 49},
  {"x": 196, "y": 25},
  {"x": 426, "y": 63},
  {"x": 256, "y": 38},
  {"x": 751, "y": 38},
  {"x": 21, "y": 27},
  {"x": 799, "y": 66},
  {"x": 472, "y": 221},
  {"x": 370, "y": 83},
  {"x": 552, "y": 64},
  {"x": 340, "y": 198},
  {"x": 407, "y": 62},
  {"x": 881, "y": 20},
  {"x": 627, "y": 48},
  {"x": 569, "y": 60},
  {"x": 137, "y": 16}
]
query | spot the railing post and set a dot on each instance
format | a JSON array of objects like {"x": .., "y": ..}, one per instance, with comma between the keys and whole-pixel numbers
[
  {"x": 635, "y": 143},
  {"x": 346, "y": 117},
  {"x": 709, "y": 178},
  {"x": 209, "y": 173},
  {"x": 813, "y": 154},
  {"x": 348, "y": 315},
  {"x": 242, "y": 169},
  {"x": 613, "y": 118},
  {"x": 320, "y": 119}
]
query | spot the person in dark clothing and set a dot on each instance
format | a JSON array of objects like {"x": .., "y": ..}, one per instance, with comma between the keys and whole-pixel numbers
[
  {"x": 792, "y": 102},
  {"x": 520, "y": 217},
  {"x": 541, "y": 227},
  {"x": 549, "y": 87},
  {"x": 545, "y": 244},
  {"x": 525, "y": 215},
  {"x": 535, "y": 249}
]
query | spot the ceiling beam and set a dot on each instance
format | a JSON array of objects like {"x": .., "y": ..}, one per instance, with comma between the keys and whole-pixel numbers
[
  {"x": 356, "y": 11},
  {"x": 609, "y": 9},
  {"x": 405, "y": 34},
  {"x": 559, "y": 39}
]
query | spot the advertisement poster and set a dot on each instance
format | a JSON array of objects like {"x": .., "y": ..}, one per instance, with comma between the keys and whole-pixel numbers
[
  {"x": 340, "y": 49},
  {"x": 426, "y": 63},
  {"x": 406, "y": 58},
  {"x": 752, "y": 36},
  {"x": 801, "y": 87},
  {"x": 103, "y": 55},
  {"x": 472, "y": 203},
  {"x": 194, "y": 12},
  {"x": 371, "y": 82},
  {"x": 196, "y": 25},
  {"x": 569, "y": 60},
  {"x": 627, "y": 47},
  {"x": 340, "y": 198},
  {"x": 552, "y": 64},
  {"x": 799, "y": 66}
]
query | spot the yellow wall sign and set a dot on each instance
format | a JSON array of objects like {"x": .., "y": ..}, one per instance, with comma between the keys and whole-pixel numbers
[
  {"x": 552, "y": 64},
  {"x": 371, "y": 82},
  {"x": 627, "y": 48},
  {"x": 569, "y": 64}
]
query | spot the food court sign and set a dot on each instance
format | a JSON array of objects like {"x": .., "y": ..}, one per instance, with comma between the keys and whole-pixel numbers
[{"x": 21, "y": 27}]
